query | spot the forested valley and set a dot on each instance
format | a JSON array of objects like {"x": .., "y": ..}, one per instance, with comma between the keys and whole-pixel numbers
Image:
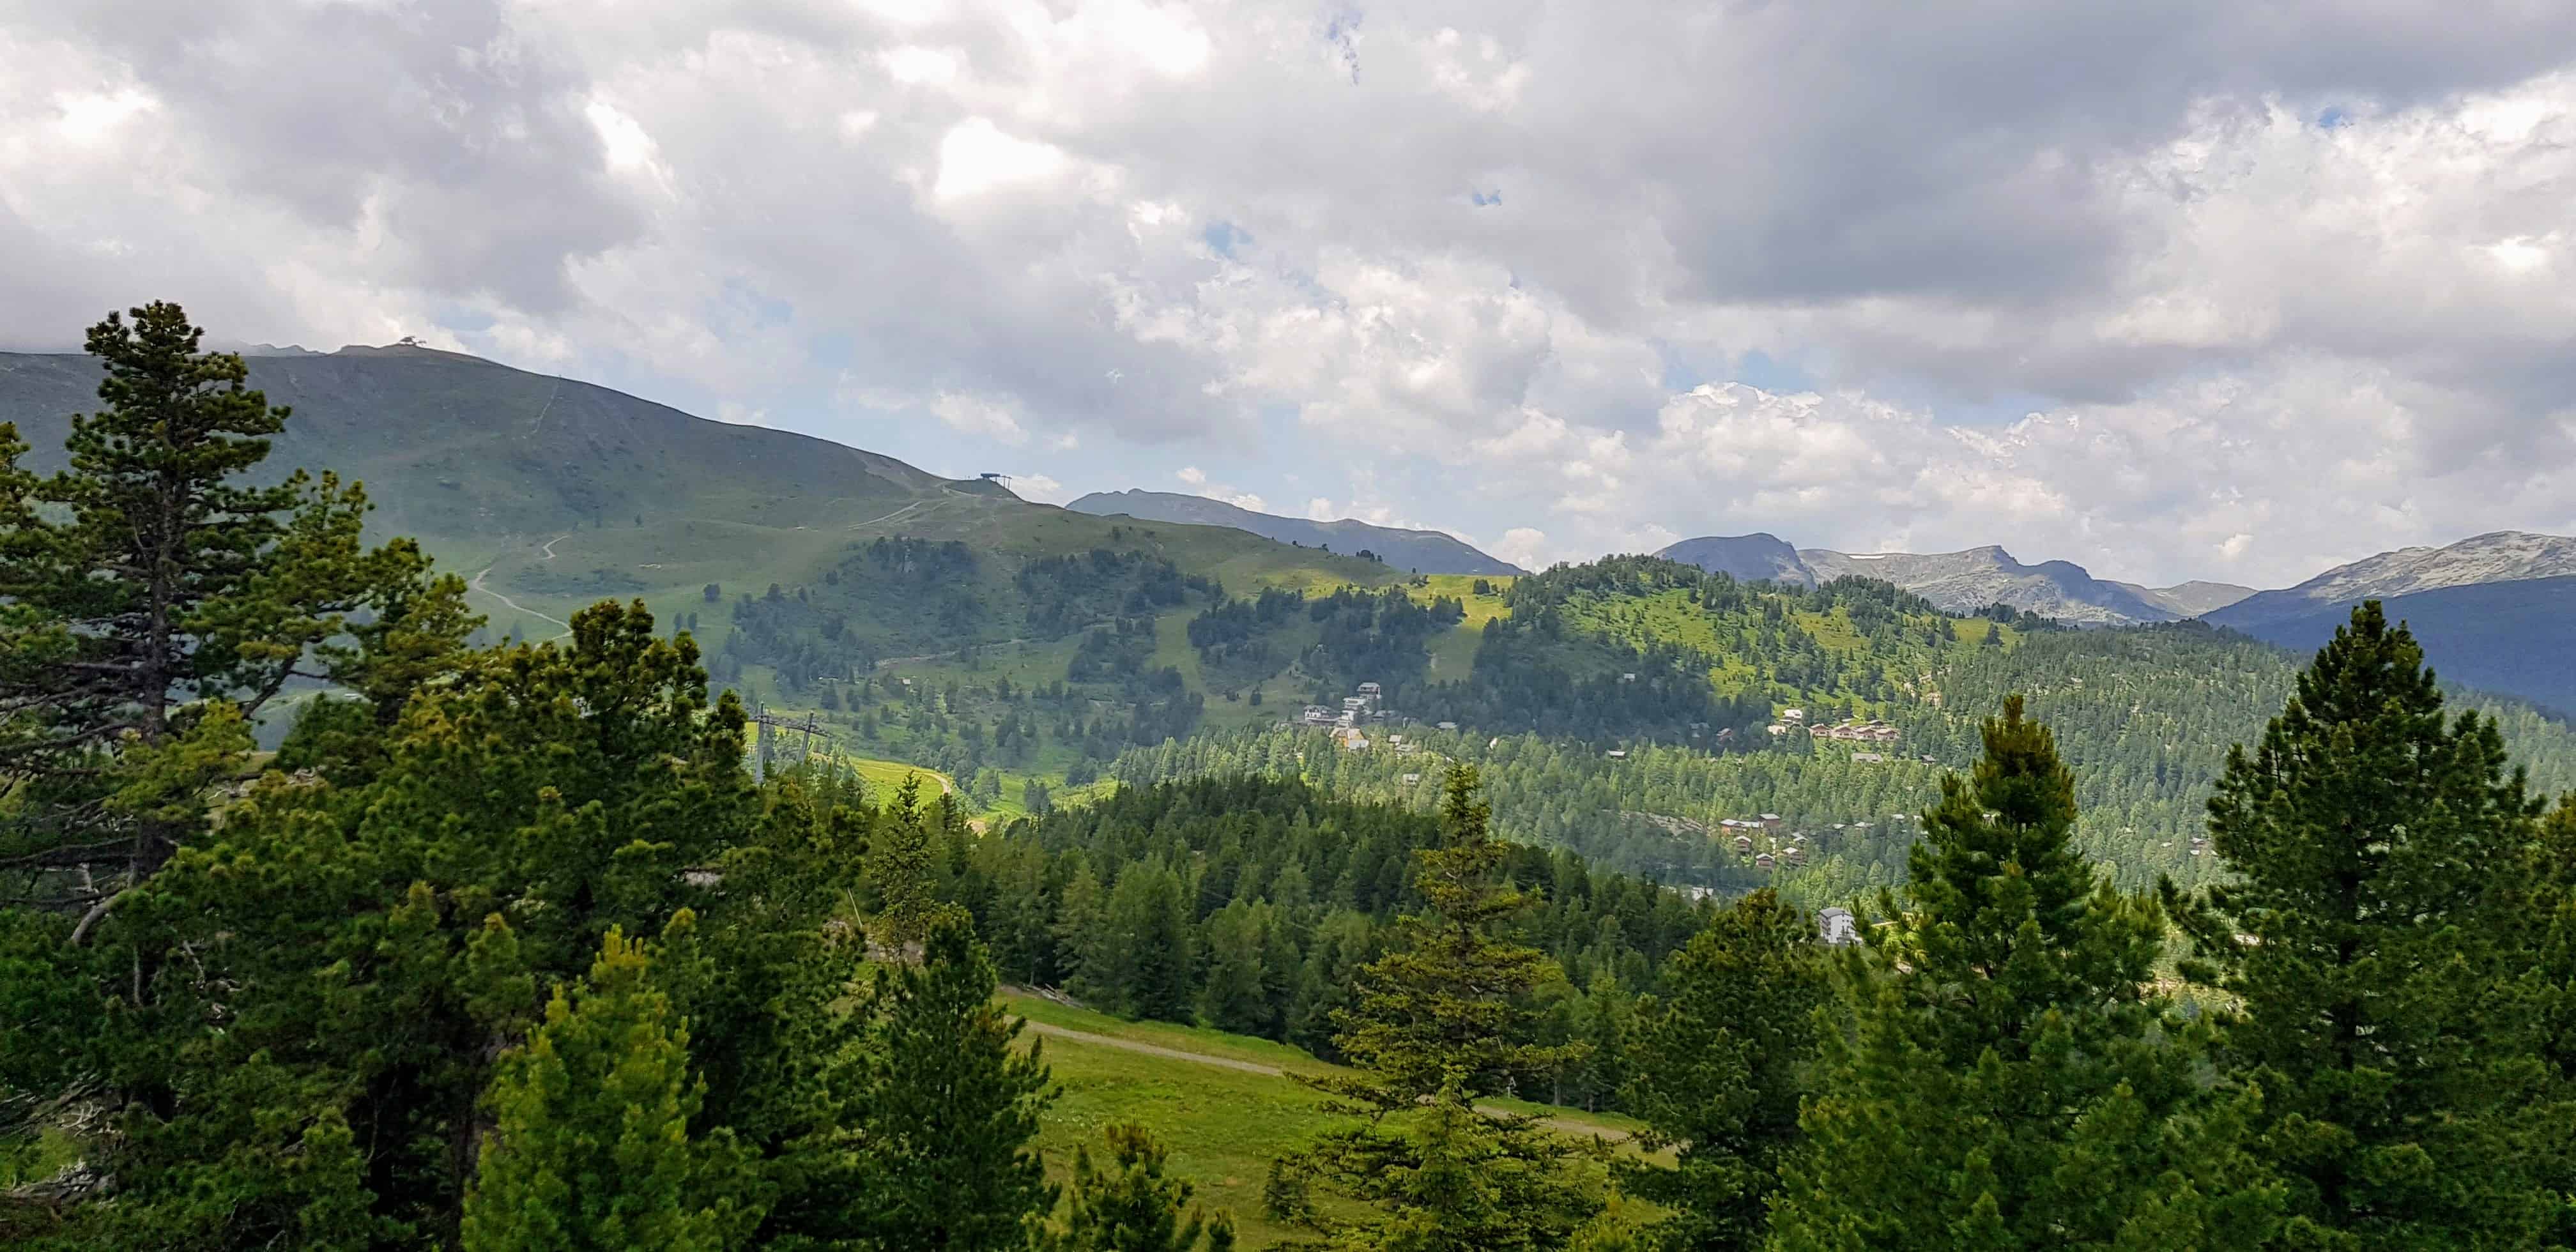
[{"x": 527, "y": 946}]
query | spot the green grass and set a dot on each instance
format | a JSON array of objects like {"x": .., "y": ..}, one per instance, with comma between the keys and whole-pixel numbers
[
  {"x": 1223, "y": 1126},
  {"x": 1453, "y": 651}
]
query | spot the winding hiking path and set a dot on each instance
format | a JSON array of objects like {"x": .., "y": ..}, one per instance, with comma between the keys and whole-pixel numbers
[
  {"x": 513, "y": 605},
  {"x": 1567, "y": 1125}
]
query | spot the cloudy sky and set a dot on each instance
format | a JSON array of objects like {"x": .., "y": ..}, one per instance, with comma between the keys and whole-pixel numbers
[{"x": 2192, "y": 289}]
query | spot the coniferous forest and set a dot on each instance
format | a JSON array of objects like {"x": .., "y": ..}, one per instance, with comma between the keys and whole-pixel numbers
[{"x": 511, "y": 947}]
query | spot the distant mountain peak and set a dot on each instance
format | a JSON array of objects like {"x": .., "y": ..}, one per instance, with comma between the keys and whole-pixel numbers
[
  {"x": 1420, "y": 551},
  {"x": 1755, "y": 557},
  {"x": 2494, "y": 557}
]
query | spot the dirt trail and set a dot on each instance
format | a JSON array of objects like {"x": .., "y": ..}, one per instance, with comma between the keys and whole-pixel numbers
[
  {"x": 1567, "y": 1125},
  {"x": 513, "y": 605}
]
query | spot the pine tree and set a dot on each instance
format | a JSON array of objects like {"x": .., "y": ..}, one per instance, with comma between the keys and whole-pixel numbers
[
  {"x": 1235, "y": 995},
  {"x": 1149, "y": 919},
  {"x": 1082, "y": 934},
  {"x": 2005, "y": 1081},
  {"x": 150, "y": 578},
  {"x": 591, "y": 1144},
  {"x": 1452, "y": 995},
  {"x": 2368, "y": 941},
  {"x": 943, "y": 1109},
  {"x": 1721, "y": 1061},
  {"x": 1132, "y": 1205},
  {"x": 1441, "y": 1019},
  {"x": 900, "y": 864},
  {"x": 2551, "y": 987}
]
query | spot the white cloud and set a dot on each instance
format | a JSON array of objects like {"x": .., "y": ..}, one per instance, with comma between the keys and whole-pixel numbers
[
  {"x": 992, "y": 417},
  {"x": 1525, "y": 546},
  {"x": 1038, "y": 487},
  {"x": 2239, "y": 291},
  {"x": 976, "y": 157},
  {"x": 1191, "y": 474}
]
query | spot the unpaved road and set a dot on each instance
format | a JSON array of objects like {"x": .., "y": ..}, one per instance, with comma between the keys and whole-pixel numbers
[
  {"x": 1565, "y": 1124},
  {"x": 514, "y": 606}
]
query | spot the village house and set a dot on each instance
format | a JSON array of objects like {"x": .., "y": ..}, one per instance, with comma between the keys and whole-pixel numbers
[{"x": 1765, "y": 861}]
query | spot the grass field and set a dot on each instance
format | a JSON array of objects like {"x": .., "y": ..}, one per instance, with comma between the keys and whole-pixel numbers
[{"x": 1223, "y": 1125}]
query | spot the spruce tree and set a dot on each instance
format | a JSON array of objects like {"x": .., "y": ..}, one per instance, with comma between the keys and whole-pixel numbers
[
  {"x": 2368, "y": 939},
  {"x": 942, "y": 1110},
  {"x": 1131, "y": 1204},
  {"x": 591, "y": 1145},
  {"x": 1721, "y": 1061},
  {"x": 2004, "y": 1079}
]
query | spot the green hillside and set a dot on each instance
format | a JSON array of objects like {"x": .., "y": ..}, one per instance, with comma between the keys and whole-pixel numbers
[
  {"x": 551, "y": 493},
  {"x": 2145, "y": 716}
]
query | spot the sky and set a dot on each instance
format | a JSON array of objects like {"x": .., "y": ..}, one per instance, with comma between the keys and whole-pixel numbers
[{"x": 2198, "y": 289}]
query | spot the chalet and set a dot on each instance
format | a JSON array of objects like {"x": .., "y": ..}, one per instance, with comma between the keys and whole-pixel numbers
[
  {"x": 1743, "y": 844},
  {"x": 1411, "y": 779},
  {"x": 1617, "y": 754},
  {"x": 1777, "y": 728},
  {"x": 1371, "y": 690},
  {"x": 1770, "y": 821},
  {"x": 1316, "y": 715},
  {"x": 1793, "y": 715},
  {"x": 1446, "y": 725},
  {"x": 1793, "y": 854},
  {"x": 1765, "y": 861},
  {"x": 1355, "y": 703},
  {"x": 1836, "y": 929}
]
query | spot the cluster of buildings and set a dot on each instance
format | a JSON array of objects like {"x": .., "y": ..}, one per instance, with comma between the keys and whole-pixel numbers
[
  {"x": 1760, "y": 839},
  {"x": 1366, "y": 703},
  {"x": 1365, "y": 707},
  {"x": 1854, "y": 730}
]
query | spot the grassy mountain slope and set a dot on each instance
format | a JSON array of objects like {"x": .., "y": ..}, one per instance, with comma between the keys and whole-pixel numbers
[
  {"x": 553, "y": 493},
  {"x": 1412, "y": 551}
]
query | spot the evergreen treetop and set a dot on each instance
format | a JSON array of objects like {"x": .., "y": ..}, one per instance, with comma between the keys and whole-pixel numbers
[{"x": 2368, "y": 939}]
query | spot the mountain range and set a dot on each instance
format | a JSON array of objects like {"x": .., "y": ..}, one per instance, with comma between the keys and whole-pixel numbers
[
  {"x": 550, "y": 493},
  {"x": 1413, "y": 551},
  {"x": 2495, "y": 611},
  {"x": 1961, "y": 582}
]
